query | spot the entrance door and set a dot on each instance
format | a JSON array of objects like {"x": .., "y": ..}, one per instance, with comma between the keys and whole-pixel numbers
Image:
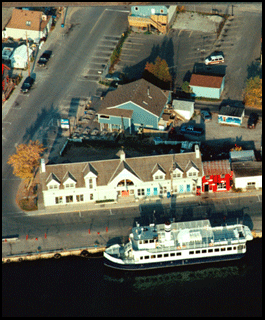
[
  {"x": 206, "y": 188},
  {"x": 125, "y": 193}
]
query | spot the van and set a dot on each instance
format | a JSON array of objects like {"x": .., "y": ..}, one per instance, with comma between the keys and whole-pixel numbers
[{"x": 214, "y": 59}]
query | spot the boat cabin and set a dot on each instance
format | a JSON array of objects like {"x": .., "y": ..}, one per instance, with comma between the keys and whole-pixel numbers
[{"x": 144, "y": 237}]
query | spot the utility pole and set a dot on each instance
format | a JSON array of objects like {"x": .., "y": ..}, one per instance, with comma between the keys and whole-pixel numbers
[{"x": 28, "y": 54}]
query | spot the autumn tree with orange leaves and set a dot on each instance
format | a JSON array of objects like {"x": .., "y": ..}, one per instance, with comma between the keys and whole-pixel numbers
[
  {"x": 158, "y": 73},
  {"x": 26, "y": 160},
  {"x": 253, "y": 93}
]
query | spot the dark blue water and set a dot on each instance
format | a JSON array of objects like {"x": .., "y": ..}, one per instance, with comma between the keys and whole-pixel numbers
[{"x": 80, "y": 287}]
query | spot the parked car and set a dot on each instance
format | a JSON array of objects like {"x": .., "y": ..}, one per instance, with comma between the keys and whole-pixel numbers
[
  {"x": 44, "y": 58},
  {"x": 252, "y": 120},
  {"x": 206, "y": 115},
  {"x": 215, "y": 58},
  {"x": 190, "y": 129},
  {"x": 27, "y": 84}
]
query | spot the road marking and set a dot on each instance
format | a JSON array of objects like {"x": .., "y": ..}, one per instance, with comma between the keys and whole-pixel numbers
[
  {"x": 259, "y": 199},
  {"x": 125, "y": 11},
  {"x": 129, "y": 54},
  {"x": 101, "y": 57},
  {"x": 102, "y": 45},
  {"x": 123, "y": 48},
  {"x": 180, "y": 32},
  {"x": 190, "y": 34},
  {"x": 127, "y": 61},
  {"x": 134, "y": 43}
]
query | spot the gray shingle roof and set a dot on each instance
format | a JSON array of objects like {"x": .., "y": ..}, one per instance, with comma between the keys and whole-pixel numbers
[
  {"x": 140, "y": 92},
  {"x": 142, "y": 167},
  {"x": 247, "y": 168}
]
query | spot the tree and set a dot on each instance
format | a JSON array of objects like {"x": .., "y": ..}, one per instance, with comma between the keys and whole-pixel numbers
[
  {"x": 186, "y": 87},
  {"x": 158, "y": 72},
  {"x": 253, "y": 92},
  {"x": 26, "y": 160}
]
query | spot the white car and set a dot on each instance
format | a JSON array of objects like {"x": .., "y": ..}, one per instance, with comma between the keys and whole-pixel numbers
[{"x": 214, "y": 59}]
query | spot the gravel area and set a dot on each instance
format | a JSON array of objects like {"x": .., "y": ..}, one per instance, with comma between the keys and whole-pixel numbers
[{"x": 197, "y": 22}]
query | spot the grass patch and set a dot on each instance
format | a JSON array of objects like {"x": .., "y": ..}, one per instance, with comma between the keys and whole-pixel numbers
[{"x": 115, "y": 57}]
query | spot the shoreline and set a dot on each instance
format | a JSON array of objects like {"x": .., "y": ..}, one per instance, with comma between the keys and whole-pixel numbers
[{"x": 85, "y": 252}]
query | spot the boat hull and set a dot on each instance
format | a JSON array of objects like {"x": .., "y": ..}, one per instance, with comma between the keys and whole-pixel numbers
[{"x": 172, "y": 263}]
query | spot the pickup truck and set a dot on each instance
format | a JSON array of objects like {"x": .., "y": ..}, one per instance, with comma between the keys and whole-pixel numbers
[{"x": 190, "y": 129}]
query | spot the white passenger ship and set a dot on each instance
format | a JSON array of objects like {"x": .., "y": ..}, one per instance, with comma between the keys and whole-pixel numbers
[{"x": 175, "y": 244}]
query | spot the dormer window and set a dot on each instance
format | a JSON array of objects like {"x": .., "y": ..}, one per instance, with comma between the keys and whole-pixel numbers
[
  {"x": 28, "y": 23},
  {"x": 69, "y": 185},
  {"x": 159, "y": 177},
  {"x": 69, "y": 181},
  {"x": 53, "y": 186},
  {"x": 177, "y": 175}
]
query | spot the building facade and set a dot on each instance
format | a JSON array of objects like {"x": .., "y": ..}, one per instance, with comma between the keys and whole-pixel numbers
[
  {"x": 217, "y": 176},
  {"x": 33, "y": 24},
  {"x": 207, "y": 86},
  {"x": 136, "y": 178},
  {"x": 247, "y": 174},
  {"x": 231, "y": 115},
  {"x": 145, "y": 18},
  {"x": 131, "y": 106}
]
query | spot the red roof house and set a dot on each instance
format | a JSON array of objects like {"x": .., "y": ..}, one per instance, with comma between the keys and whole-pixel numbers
[{"x": 217, "y": 176}]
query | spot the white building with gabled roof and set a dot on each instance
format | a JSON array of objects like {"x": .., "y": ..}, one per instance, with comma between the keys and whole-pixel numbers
[{"x": 136, "y": 178}]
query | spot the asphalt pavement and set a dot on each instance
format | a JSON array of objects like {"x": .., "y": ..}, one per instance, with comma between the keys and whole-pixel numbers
[{"x": 79, "y": 226}]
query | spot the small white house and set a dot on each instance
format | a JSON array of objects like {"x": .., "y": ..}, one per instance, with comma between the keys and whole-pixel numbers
[
  {"x": 19, "y": 58},
  {"x": 184, "y": 108},
  {"x": 247, "y": 174},
  {"x": 34, "y": 24}
]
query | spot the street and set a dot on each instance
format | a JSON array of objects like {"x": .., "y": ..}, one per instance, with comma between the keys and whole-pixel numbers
[
  {"x": 33, "y": 111},
  {"x": 102, "y": 227}
]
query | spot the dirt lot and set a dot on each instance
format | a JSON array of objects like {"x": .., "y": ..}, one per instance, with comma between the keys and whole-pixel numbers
[{"x": 197, "y": 22}]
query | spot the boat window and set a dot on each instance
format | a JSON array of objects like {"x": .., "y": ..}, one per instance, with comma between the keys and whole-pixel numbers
[
  {"x": 191, "y": 252},
  {"x": 140, "y": 242},
  {"x": 234, "y": 248},
  {"x": 222, "y": 249},
  {"x": 216, "y": 250},
  {"x": 210, "y": 250},
  {"x": 203, "y": 251},
  {"x": 178, "y": 253},
  {"x": 141, "y": 258},
  {"x": 229, "y": 248},
  {"x": 197, "y": 251},
  {"x": 145, "y": 241},
  {"x": 165, "y": 255},
  {"x": 146, "y": 257},
  {"x": 159, "y": 256},
  {"x": 153, "y": 256},
  {"x": 172, "y": 254},
  {"x": 151, "y": 240}
]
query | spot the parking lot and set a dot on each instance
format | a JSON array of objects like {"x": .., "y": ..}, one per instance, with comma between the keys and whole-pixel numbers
[{"x": 218, "y": 139}]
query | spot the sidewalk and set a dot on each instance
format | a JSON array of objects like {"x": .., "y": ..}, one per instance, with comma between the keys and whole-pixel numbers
[{"x": 138, "y": 202}]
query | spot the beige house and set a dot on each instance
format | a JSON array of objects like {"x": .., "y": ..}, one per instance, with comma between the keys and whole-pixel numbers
[{"x": 33, "y": 23}]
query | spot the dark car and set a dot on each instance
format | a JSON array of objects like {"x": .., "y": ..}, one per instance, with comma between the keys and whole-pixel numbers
[
  {"x": 44, "y": 58},
  {"x": 206, "y": 115},
  {"x": 190, "y": 129},
  {"x": 27, "y": 84},
  {"x": 252, "y": 120}
]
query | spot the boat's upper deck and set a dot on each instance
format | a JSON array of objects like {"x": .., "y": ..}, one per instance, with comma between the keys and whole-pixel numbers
[{"x": 189, "y": 234}]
